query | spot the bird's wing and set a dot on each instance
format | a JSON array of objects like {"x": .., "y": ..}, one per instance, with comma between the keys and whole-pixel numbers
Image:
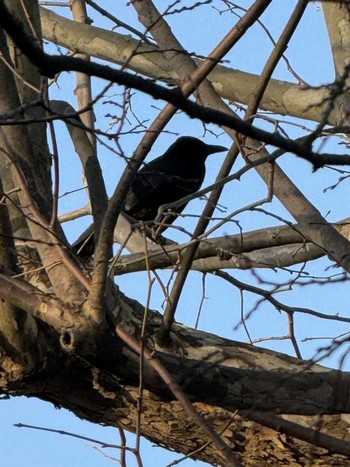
[{"x": 154, "y": 188}]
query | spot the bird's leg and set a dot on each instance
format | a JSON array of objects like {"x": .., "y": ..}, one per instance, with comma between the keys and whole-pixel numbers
[
  {"x": 152, "y": 232},
  {"x": 162, "y": 223}
]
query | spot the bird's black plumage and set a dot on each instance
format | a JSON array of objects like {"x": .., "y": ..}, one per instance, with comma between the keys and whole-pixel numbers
[{"x": 179, "y": 172}]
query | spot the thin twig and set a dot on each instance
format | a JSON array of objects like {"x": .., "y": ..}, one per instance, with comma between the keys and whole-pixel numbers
[
  {"x": 117, "y": 21},
  {"x": 142, "y": 350},
  {"x": 277, "y": 304},
  {"x": 103, "y": 444}
]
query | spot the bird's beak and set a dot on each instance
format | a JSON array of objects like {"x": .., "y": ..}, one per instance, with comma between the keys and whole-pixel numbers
[{"x": 213, "y": 148}]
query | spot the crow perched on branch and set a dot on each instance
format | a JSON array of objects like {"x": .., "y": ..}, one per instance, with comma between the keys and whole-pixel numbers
[{"x": 179, "y": 172}]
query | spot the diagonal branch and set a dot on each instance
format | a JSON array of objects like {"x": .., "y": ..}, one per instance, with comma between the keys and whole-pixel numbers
[
  {"x": 87, "y": 154},
  {"x": 192, "y": 78},
  {"x": 207, "y": 95},
  {"x": 226, "y": 452}
]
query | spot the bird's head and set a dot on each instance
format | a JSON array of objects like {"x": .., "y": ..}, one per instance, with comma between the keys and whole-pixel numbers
[{"x": 188, "y": 146}]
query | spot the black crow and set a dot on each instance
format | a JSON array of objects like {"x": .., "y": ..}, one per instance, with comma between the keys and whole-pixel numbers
[{"x": 179, "y": 172}]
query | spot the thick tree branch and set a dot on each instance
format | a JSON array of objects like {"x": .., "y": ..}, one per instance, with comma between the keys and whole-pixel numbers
[
  {"x": 281, "y": 97},
  {"x": 50, "y": 65},
  {"x": 337, "y": 16}
]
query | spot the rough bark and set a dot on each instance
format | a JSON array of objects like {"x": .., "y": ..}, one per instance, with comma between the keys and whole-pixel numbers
[{"x": 219, "y": 375}]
